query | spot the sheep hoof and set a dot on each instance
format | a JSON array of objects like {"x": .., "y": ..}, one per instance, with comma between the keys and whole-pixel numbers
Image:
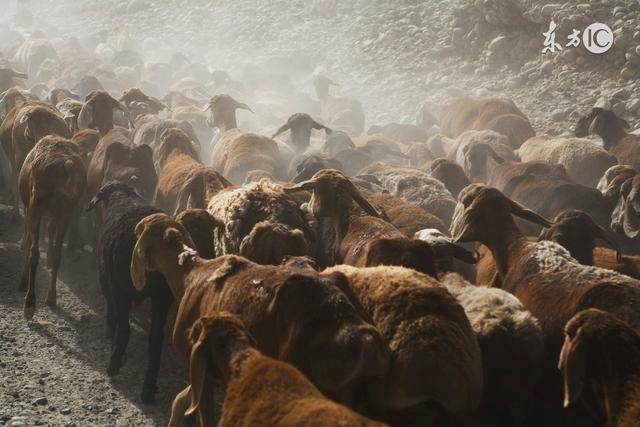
[{"x": 29, "y": 311}]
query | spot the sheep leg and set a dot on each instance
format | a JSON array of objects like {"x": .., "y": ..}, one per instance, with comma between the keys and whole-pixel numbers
[
  {"x": 160, "y": 309},
  {"x": 55, "y": 255},
  {"x": 33, "y": 256},
  {"x": 51, "y": 232},
  {"x": 179, "y": 406},
  {"x": 123, "y": 331}
]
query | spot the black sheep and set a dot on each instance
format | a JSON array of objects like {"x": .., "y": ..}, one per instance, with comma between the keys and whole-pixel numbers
[{"x": 124, "y": 208}]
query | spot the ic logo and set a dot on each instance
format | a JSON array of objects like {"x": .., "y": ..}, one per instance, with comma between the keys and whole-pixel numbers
[{"x": 597, "y": 38}]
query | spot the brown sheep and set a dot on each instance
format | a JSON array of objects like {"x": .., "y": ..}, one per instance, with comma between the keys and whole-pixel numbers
[
  {"x": 200, "y": 225},
  {"x": 512, "y": 347},
  {"x": 300, "y": 125},
  {"x": 199, "y": 187},
  {"x": 97, "y": 112},
  {"x": 406, "y": 217},
  {"x": 342, "y": 113},
  {"x": 10, "y": 99},
  {"x": 51, "y": 182},
  {"x": 600, "y": 363},
  {"x": 497, "y": 114},
  {"x": 448, "y": 255},
  {"x": 87, "y": 141},
  {"x": 149, "y": 132},
  {"x": 613, "y": 131},
  {"x": 577, "y": 232},
  {"x": 478, "y": 151},
  {"x": 27, "y": 124},
  {"x": 550, "y": 284},
  {"x": 435, "y": 353},
  {"x": 450, "y": 174},
  {"x": 299, "y": 316},
  {"x": 224, "y": 352},
  {"x": 236, "y": 153},
  {"x": 260, "y": 222},
  {"x": 584, "y": 161},
  {"x": 612, "y": 180},
  {"x": 403, "y": 133}
]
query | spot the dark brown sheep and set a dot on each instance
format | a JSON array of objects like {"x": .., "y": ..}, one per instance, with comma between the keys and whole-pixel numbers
[
  {"x": 450, "y": 174},
  {"x": 435, "y": 352},
  {"x": 300, "y": 125},
  {"x": 223, "y": 352},
  {"x": 97, "y": 112},
  {"x": 550, "y": 284},
  {"x": 200, "y": 225},
  {"x": 613, "y": 131},
  {"x": 297, "y": 315},
  {"x": 600, "y": 363},
  {"x": 51, "y": 182}
]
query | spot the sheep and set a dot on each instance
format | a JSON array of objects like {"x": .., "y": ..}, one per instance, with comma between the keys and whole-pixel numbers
[
  {"x": 600, "y": 363},
  {"x": 511, "y": 344},
  {"x": 343, "y": 113},
  {"x": 23, "y": 127},
  {"x": 124, "y": 208},
  {"x": 450, "y": 174},
  {"x": 87, "y": 141},
  {"x": 476, "y": 150},
  {"x": 199, "y": 187},
  {"x": 237, "y": 153},
  {"x": 32, "y": 53},
  {"x": 406, "y": 217},
  {"x": 11, "y": 98},
  {"x": 403, "y": 133},
  {"x": 416, "y": 187},
  {"x": 295, "y": 314},
  {"x": 435, "y": 353},
  {"x": 200, "y": 225},
  {"x": 447, "y": 254},
  {"x": 300, "y": 125},
  {"x": 613, "y": 131},
  {"x": 150, "y": 131},
  {"x": 626, "y": 216},
  {"x": 253, "y": 383},
  {"x": 308, "y": 165},
  {"x": 612, "y": 180},
  {"x": 382, "y": 149},
  {"x": 97, "y": 112},
  {"x": 6, "y": 78},
  {"x": 70, "y": 110},
  {"x": 51, "y": 181},
  {"x": 577, "y": 232},
  {"x": 496, "y": 114},
  {"x": 58, "y": 95},
  {"x": 260, "y": 222},
  {"x": 584, "y": 161},
  {"x": 551, "y": 285}
]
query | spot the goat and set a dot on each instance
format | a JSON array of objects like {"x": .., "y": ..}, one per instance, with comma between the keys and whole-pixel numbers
[
  {"x": 123, "y": 209},
  {"x": 600, "y": 363},
  {"x": 584, "y": 161},
  {"x": 260, "y": 222},
  {"x": 435, "y": 354},
  {"x": 51, "y": 181},
  {"x": 224, "y": 352},
  {"x": 550, "y": 284},
  {"x": 237, "y": 153},
  {"x": 613, "y": 131},
  {"x": 512, "y": 346},
  {"x": 296, "y": 315}
]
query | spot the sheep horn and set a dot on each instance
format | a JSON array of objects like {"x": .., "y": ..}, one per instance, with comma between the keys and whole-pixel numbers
[{"x": 285, "y": 127}]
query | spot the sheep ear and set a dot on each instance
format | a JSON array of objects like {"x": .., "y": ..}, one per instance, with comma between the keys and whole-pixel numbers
[
  {"x": 364, "y": 203},
  {"x": 285, "y": 127},
  {"x": 243, "y": 106},
  {"x": 308, "y": 185},
  {"x": 573, "y": 363},
  {"x": 139, "y": 263},
  {"x": 319, "y": 126},
  {"x": 518, "y": 210},
  {"x": 197, "y": 370}
]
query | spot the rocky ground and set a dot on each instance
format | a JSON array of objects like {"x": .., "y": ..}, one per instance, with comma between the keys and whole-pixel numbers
[{"x": 392, "y": 55}]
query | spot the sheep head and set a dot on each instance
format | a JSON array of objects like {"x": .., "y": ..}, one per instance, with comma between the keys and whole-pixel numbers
[
  {"x": 174, "y": 139},
  {"x": 310, "y": 165},
  {"x": 476, "y": 157},
  {"x": 576, "y": 231},
  {"x": 162, "y": 245},
  {"x": 97, "y": 111},
  {"x": 626, "y": 214},
  {"x": 322, "y": 84},
  {"x": 598, "y": 352},
  {"x": 483, "y": 211},
  {"x": 223, "y": 112},
  {"x": 300, "y": 125},
  {"x": 604, "y": 123},
  {"x": 215, "y": 339},
  {"x": 445, "y": 250},
  {"x": 111, "y": 189}
]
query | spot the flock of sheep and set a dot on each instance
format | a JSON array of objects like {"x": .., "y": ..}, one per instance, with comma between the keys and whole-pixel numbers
[{"x": 335, "y": 277}]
